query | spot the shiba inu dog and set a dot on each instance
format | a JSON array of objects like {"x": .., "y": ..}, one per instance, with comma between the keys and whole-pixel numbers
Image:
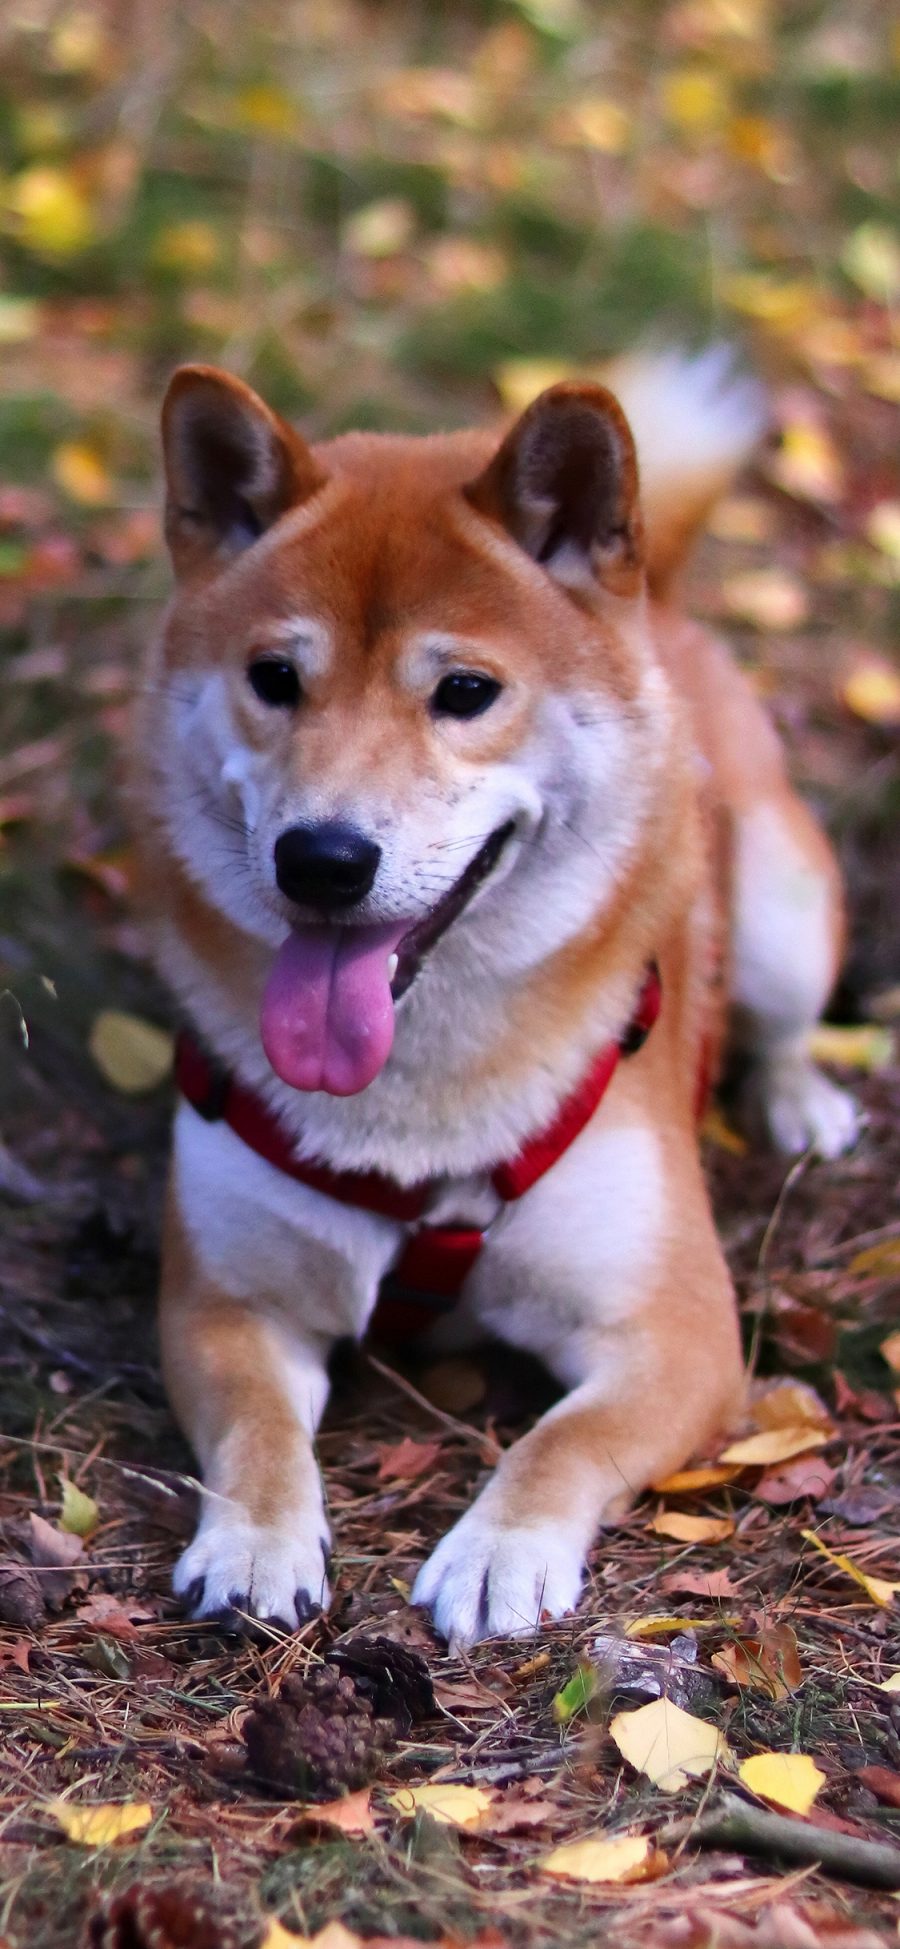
[{"x": 443, "y": 808}]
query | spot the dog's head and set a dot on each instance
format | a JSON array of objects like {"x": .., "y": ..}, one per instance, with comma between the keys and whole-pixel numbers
[{"x": 409, "y": 695}]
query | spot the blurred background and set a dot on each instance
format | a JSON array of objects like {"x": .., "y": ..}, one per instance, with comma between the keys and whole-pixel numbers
[{"x": 409, "y": 216}]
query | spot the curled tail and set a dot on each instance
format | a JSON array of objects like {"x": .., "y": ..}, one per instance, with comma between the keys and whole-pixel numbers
[{"x": 695, "y": 420}]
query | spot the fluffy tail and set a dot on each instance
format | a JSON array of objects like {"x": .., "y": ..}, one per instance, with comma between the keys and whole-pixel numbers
[{"x": 695, "y": 421}]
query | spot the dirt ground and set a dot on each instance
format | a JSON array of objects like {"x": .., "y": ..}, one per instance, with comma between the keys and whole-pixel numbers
[{"x": 419, "y": 244}]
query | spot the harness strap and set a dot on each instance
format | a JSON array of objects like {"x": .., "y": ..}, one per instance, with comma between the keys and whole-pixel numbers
[{"x": 436, "y": 1259}]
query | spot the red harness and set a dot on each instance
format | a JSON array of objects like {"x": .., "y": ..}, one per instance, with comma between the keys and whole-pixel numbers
[{"x": 436, "y": 1259}]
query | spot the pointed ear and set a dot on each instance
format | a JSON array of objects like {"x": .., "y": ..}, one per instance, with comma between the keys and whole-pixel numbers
[
  {"x": 232, "y": 467},
  {"x": 564, "y": 484}
]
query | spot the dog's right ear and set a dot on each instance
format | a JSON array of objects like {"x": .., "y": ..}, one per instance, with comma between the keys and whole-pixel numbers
[{"x": 232, "y": 467}]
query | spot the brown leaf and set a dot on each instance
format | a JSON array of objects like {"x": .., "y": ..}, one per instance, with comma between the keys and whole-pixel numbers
[
  {"x": 696, "y": 1583},
  {"x": 882, "y": 1782},
  {"x": 769, "y": 1663},
  {"x": 351, "y": 1815},
  {"x": 517, "y": 1810},
  {"x": 791, "y": 1404},
  {"x": 806, "y": 1475},
  {"x": 55, "y": 1555},
  {"x": 405, "y": 1460},
  {"x": 691, "y": 1529},
  {"x": 111, "y": 1615}
]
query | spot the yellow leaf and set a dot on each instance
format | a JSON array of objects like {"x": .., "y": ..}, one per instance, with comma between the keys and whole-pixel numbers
[
  {"x": 191, "y": 246},
  {"x": 789, "y": 1780},
  {"x": 99, "y": 1825},
  {"x": 621, "y": 1857},
  {"x": 890, "y": 1351},
  {"x": 380, "y": 229},
  {"x": 132, "y": 1054},
  {"x": 695, "y": 99},
  {"x": 783, "y": 304},
  {"x": 664, "y": 1627},
  {"x": 50, "y": 211},
  {"x": 872, "y": 691},
  {"x": 881, "y": 375},
  {"x": 333, "y": 1936},
  {"x": 877, "y": 1588},
  {"x": 451, "y": 1806},
  {"x": 267, "y": 109},
  {"x": 79, "y": 470},
  {"x": 716, "y": 1131},
  {"x": 807, "y": 463},
  {"x": 769, "y": 598},
  {"x": 595, "y": 122},
  {"x": 80, "y": 1514},
  {"x": 791, "y": 1404},
  {"x": 883, "y": 531},
  {"x": 518, "y": 381},
  {"x": 277, "y": 1937},
  {"x": 668, "y": 1745},
  {"x": 691, "y": 1529},
  {"x": 684, "y": 1481},
  {"x": 871, "y": 257},
  {"x": 869, "y": 1047},
  {"x": 773, "y": 1445},
  {"x": 880, "y": 1261},
  {"x": 19, "y": 319},
  {"x": 891, "y": 1684}
]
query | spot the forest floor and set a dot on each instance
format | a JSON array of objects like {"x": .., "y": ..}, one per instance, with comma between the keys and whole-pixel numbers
[{"x": 402, "y": 229}]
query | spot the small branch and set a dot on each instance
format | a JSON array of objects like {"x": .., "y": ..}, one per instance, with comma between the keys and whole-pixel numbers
[{"x": 751, "y": 1830}]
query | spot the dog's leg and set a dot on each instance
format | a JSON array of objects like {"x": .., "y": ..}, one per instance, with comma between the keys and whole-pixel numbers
[
  {"x": 787, "y": 934},
  {"x": 251, "y": 1304},
  {"x": 610, "y": 1271}
]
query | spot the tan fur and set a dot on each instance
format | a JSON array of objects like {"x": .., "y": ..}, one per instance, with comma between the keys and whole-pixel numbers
[{"x": 382, "y": 551}]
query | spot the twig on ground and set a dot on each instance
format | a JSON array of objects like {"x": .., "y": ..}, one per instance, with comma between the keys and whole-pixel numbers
[{"x": 753, "y": 1830}]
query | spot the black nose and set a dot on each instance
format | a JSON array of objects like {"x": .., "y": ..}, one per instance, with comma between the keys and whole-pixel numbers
[{"x": 326, "y": 866}]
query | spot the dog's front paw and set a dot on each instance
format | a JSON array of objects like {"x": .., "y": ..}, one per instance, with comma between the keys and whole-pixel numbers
[
  {"x": 234, "y": 1566},
  {"x": 804, "y": 1109},
  {"x": 491, "y": 1580}
]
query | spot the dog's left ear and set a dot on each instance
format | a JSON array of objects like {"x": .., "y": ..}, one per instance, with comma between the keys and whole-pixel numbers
[{"x": 564, "y": 484}]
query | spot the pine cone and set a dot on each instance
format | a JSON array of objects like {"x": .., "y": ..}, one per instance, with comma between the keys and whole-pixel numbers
[
  {"x": 317, "y": 1739},
  {"x": 393, "y": 1676},
  {"x": 158, "y": 1918}
]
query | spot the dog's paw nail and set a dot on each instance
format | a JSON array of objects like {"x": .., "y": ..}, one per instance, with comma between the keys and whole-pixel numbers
[
  {"x": 305, "y": 1606},
  {"x": 192, "y": 1598}
]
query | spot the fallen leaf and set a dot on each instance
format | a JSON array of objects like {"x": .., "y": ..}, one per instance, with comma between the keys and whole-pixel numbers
[
  {"x": 50, "y": 212},
  {"x": 773, "y": 1445},
  {"x": 98, "y": 1826},
  {"x": 351, "y": 1815},
  {"x": 110, "y": 1614},
  {"x": 807, "y": 464},
  {"x": 380, "y": 229},
  {"x": 668, "y": 1745},
  {"x": 576, "y": 1694},
  {"x": 58, "y": 1558},
  {"x": 877, "y": 1588},
  {"x": 869, "y": 1047},
  {"x": 872, "y": 691},
  {"x": 663, "y": 1627},
  {"x": 697, "y": 1583},
  {"x": 277, "y": 1937},
  {"x": 450, "y": 1805},
  {"x": 82, "y": 474},
  {"x": 715, "y": 1130},
  {"x": 890, "y": 1351},
  {"x": 789, "y": 1780},
  {"x": 882, "y": 1782},
  {"x": 871, "y": 257},
  {"x": 620, "y": 1857},
  {"x": 769, "y": 598},
  {"x": 684, "y": 1481},
  {"x": 407, "y": 1459},
  {"x": 333, "y": 1936},
  {"x": 769, "y": 1663},
  {"x": 877, "y": 1261},
  {"x": 806, "y": 1475},
  {"x": 691, "y": 1529},
  {"x": 132, "y": 1054},
  {"x": 519, "y": 381},
  {"x": 518, "y": 1810},
  {"x": 80, "y": 1514},
  {"x": 891, "y": 1684},
  {"x": 791, "y": 1404}
]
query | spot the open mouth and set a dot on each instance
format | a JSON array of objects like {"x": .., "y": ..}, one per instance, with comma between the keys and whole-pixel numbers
[
  {"x": 414, "y": 947},
  {"x": 327, "y": 1019}
]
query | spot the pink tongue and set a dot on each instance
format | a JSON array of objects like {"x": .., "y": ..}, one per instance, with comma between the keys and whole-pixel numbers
[{"x": 327, "y": 1019}]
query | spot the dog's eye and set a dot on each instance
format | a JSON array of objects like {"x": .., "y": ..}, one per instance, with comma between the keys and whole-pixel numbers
[
  {"x": 464, "y": 694},
  {"x": 274, "y": 682}
]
